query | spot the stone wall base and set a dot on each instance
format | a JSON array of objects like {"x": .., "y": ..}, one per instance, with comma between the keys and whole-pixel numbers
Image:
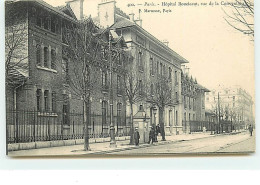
[{"x": 47, "y": 144}]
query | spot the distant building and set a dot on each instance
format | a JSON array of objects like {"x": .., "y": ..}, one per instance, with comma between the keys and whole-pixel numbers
[{"x": 234, "y": 102}]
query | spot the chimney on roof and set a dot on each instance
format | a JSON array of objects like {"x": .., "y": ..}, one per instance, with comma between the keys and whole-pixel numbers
[
  {"x": 77, "y": 8},
  {"x": 132, "y": 17},
  {"x": 139, "y": 22},
  {"x": 166, "y": 42}
]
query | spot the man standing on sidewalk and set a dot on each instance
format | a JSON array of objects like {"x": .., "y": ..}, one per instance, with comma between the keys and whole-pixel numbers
[
  {"x": 250, "y": 130},
  {"x": 152, "y": 135},
  {"x": 136, "y": 137}
]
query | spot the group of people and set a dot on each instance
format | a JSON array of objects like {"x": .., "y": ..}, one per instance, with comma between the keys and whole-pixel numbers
[{"x": 154, "y": 132}]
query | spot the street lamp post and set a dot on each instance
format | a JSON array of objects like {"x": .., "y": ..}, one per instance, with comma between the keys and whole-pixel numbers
[{"x": 112, "y": 128}]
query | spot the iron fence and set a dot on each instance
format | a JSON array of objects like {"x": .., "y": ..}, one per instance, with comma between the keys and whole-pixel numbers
[
  {"x": 30, "y": 126},
  {"x": 197, "y": 126}
]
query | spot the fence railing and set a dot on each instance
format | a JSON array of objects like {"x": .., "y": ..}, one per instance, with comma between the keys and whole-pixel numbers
[
  {"x": 30, "y": 126},
  {"x": 197, "y": 126}
]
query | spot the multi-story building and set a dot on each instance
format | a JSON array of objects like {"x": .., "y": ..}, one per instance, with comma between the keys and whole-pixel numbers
[
  {"x": 233, "y": 103},
  {"x": 153, "y": 59},
  {"x": 193, "y": 98},
  {"x": 39, "y": 106}
]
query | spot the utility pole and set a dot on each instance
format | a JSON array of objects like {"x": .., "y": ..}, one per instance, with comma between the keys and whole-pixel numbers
[
  {"x": 112, "y": 128},
  {"x": 218, "y": 114}
]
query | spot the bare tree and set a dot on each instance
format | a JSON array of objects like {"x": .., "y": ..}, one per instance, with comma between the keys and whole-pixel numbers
[
  {"x": 240, "y": 16},
  {"x": 81, "y": 67},
  {"x": 162, "y": 97},
  {"x": 16, "y": 40},
  {"x": 132, "y": 90}
]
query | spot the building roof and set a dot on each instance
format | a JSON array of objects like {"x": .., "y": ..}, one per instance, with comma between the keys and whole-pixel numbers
[
  {"x": 59, "y": 10},
  {"x": 122, "y": 21},
  {"x": 202, "y": 88},
  {"x": 17, "y": 75}
]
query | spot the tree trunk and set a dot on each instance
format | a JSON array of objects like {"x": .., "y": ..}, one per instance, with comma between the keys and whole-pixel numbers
[
  {"x": 86, "y": 112},
  {"x": 132, "y": 126},
  {"x": 161, "y": 122}
]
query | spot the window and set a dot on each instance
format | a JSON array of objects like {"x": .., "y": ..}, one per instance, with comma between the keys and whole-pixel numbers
[
  {"x": 140, "y": 87},
  {"x": 53, "y": 101},
  {"x": 53, "y": 26},
  {"x": 140, "y": 61},
  {"x": 152, "y": 90},
  {"x": 53, "y": 59},
  {"x": 39, "y": 21},
  {"x": 119, "y": 59},
  {"x": 119, "y": 107},
  {"x": 193, "y": 104},
  {"x": 170, "y": 74},
  {"x": 185, "y": 102},
  {"x": 46, "y": 100},
  {"x": 104, "y": 79},
  {"x": 38, "y": 99},
  {"x": 46, "y": 56},
  {"x": 170, "y": 117},
  {"x": 234, "y": 98},
  {"x": 157, "y": 68},
  {"x": 151, "y": 67},
  {"x": 176, "y": 78},
  {"x": 65, "y": 69},
  {"x": 189, "y": 103},
  {"x": 104, "y": 113},
  {"x": 38, "y": 54},
  {"x": 46, "y": 24},
  {"x": 176, "y": 120},
  {"x": 118, "y": 84},
  {"x": 161, "y": 69},
  {"x": 65, "y": 109}
]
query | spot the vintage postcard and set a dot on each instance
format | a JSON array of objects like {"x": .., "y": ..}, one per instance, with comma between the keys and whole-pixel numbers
[{"x": 129, "y": 78}]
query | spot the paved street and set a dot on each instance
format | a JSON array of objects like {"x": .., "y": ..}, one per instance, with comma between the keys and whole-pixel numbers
[
  {"x": 220, "y": 144},
  {"x": 191, "y": 143}
]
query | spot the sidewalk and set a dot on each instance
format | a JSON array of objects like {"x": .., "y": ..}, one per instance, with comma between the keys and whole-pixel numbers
[{"x": 102, "y": 148}]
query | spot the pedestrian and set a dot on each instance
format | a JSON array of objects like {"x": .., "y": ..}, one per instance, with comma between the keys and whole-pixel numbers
[
  {"x": 151, "y": 136},
  {"x": 250, "y": 130},
  {"x": 158, "y": 129},
  {"x": 136, "y": 137}
]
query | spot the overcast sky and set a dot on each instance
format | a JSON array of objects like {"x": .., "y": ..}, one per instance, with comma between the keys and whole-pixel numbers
[{"x": 218, "y": 54}]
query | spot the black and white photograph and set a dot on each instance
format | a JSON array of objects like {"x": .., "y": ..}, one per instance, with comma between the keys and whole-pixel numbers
[{"x": 128, "y": 78}]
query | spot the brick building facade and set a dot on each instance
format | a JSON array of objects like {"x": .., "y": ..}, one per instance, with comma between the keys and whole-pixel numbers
[{"x": 39, "y": 85}]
